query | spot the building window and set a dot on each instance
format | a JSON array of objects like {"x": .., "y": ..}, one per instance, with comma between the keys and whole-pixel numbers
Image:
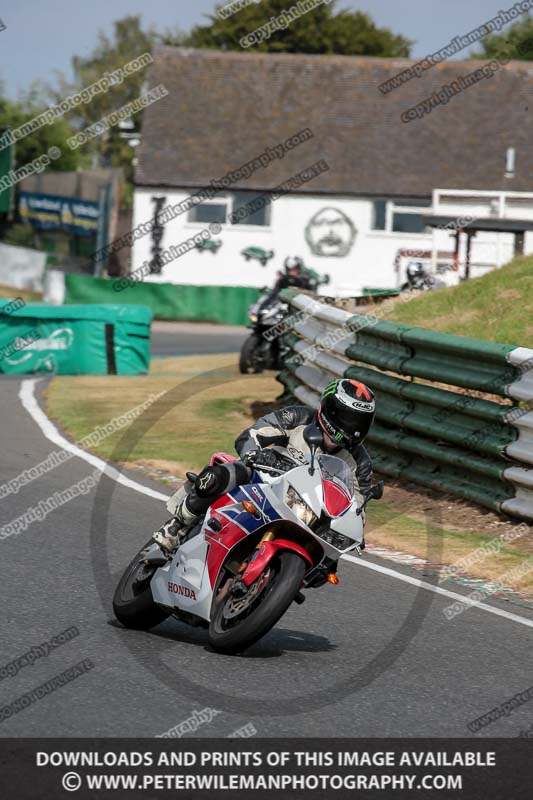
[
  {"x": 250, "y": 209},
  {"x": 209, "y": 211},
  {"x": 406, "y": 222},
  {"x": 379, "y": 212},
  {"x": 399, "y": 216}
]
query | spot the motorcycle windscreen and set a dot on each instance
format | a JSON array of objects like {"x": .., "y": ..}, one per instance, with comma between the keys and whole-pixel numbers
[{"x": 338, "y": 484}]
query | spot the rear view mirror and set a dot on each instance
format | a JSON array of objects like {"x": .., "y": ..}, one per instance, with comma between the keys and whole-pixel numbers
[{"x": 313, "y": 438}]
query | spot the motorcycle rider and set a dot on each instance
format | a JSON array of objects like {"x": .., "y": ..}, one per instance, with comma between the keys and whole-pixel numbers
[
  {"x": 345, "y": 414},
  {"x": 294, "y": 274}
]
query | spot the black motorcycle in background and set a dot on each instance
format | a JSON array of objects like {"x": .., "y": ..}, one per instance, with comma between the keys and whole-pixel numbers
[
  {"x": 261, "y": 350},
  {"x": 420, "y": 279}
]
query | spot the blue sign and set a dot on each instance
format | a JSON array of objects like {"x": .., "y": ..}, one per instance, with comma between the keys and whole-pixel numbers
[{"x": 52, "y": 212}]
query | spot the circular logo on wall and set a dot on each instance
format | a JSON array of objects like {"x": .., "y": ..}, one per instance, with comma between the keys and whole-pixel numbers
[{"x": 330, "y": 232}]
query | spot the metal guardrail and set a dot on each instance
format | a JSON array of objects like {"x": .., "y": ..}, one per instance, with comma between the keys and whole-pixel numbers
[{"x": 425, "y": 430}]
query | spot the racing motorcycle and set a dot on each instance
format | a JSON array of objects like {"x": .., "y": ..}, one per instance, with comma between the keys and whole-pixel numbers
[
  {"x": 237, "y": 571},
  {"x": 261, "y": 350}
]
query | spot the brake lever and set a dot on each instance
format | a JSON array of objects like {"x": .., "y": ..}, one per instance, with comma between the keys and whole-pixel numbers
[{"x": 265, "y": 468}]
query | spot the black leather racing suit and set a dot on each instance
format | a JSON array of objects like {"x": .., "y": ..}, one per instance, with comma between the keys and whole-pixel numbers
[{"x": 281, "y": 431}]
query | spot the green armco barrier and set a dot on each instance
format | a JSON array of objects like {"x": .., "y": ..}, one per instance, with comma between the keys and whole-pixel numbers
[
  {"x": 488, "y": 371},
  {"x": 75, "y": 340},
  {"x": 470, "y": 422},
  {"x": 436, "y": 465},
  {"x": 423, "y": 353},
  {"x": 487, "y": 493},
  {"x": 224, "y": 304},
  {"x": 477, "y": 448}
]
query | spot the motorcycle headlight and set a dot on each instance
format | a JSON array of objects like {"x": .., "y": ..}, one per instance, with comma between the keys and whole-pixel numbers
[
  {"x": 252, "y": 317},
  {"x": 298, "y": 505}
]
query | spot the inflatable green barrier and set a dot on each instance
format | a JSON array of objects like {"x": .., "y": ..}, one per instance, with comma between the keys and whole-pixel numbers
[{"x": 74, "y": 340}]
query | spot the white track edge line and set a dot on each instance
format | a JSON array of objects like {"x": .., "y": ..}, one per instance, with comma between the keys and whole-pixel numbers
[
  {"x": 49, "y": 430},
  {"x": 439, "y": 590}
]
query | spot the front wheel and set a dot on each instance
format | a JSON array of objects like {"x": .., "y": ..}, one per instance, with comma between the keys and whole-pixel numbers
[
  {"x": 133, "y": 603},
  {"x": 249, "y": 359},
  {"x": 238, "y": 622}
]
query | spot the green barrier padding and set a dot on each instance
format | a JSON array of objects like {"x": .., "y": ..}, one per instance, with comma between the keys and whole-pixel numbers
[
  {"x": 439, "y": 452},
  {"x": 368, "y": 291},
  {"x": 432, "y": 436},
  {"x": 447, "y": 404},
  {"x": 75, "y": 340},
  {"x": 486, "y": 492},
  {"x": 224, "y": 304}
]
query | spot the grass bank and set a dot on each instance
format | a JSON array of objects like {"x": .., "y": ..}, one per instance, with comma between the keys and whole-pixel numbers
[{"x": 497, "y": 307}]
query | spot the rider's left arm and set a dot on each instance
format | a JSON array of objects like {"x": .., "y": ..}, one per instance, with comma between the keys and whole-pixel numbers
[{"x": 364, "y": 468}]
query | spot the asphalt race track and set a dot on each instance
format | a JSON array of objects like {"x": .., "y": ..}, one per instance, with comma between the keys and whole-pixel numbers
[
  {"x": 373, "y": 656},
  {"x": 187, "y": 338}
]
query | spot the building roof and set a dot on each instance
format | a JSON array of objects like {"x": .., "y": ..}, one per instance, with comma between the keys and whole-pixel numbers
[{"x": 223, "y": 109}]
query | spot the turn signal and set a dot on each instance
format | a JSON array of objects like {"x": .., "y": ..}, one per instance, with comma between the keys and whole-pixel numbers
[
  {"x": 249, "y": 506},
  {"x": 332, "y": 578}
]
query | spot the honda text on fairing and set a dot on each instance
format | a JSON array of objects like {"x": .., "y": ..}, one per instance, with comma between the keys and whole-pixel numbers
[{"x": 243, "y": 564}]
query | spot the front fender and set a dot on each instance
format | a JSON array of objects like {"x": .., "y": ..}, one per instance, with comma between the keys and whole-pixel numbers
[{"x": 266, "y": 553}]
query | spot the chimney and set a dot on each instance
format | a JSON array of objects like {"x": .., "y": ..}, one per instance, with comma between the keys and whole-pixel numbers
[{"x": 509, "y": 162}]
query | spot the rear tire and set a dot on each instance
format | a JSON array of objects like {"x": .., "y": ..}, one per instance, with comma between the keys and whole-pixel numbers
[
  {"x": 248, "y": 361},
  {"x": 288, "y": 572},
  {"x": 134, "y": 606}
]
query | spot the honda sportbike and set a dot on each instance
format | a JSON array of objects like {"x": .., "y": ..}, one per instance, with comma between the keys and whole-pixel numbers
[{"x": 256, "y": 551}]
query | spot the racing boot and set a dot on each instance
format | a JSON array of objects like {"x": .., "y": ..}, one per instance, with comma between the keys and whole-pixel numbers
[{"x": 169, "y": 535}]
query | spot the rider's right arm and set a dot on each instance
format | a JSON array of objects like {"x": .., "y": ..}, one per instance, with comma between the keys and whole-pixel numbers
[{"x": 265, "y": 432}]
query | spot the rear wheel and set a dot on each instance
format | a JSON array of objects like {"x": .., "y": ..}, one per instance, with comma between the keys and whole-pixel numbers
[
  {"x": 133, "y": 604},
  {"x": 249, "y": 360},
  {"x": 238, "y": 622}
]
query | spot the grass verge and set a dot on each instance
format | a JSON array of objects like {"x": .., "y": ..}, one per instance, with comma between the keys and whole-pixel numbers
[{"x": 26, "y": 294}]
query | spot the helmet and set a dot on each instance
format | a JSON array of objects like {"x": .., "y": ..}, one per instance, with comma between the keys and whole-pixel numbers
[
  {"x": 346, "y": 411},
  {"x": 415, "y": 269},
  {"x": 293, "y": 262}
]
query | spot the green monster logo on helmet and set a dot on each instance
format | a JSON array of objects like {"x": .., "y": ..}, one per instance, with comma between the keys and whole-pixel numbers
[{"x": 346, "y": 411}]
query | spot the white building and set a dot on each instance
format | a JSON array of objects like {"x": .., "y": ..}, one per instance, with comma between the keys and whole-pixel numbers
[{"x": 255, "y": 122}]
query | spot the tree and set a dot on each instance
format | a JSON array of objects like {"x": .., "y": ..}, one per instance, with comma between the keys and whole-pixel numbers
[
  {"x": 16, "y": 113},
  {"x": 515, "y": 43},
  {"x": 128, "y": 42},
  {"x": 320, "y": 30}
]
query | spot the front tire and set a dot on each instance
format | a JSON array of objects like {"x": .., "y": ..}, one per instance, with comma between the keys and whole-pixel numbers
[
  {"x": 133, "y": 603},
  {"x": 248, "y": 359},
  {"x": 233, "y": 634}
]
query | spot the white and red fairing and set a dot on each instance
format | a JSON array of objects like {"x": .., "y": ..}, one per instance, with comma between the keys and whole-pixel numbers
[{"x": 188, "y": 579}]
